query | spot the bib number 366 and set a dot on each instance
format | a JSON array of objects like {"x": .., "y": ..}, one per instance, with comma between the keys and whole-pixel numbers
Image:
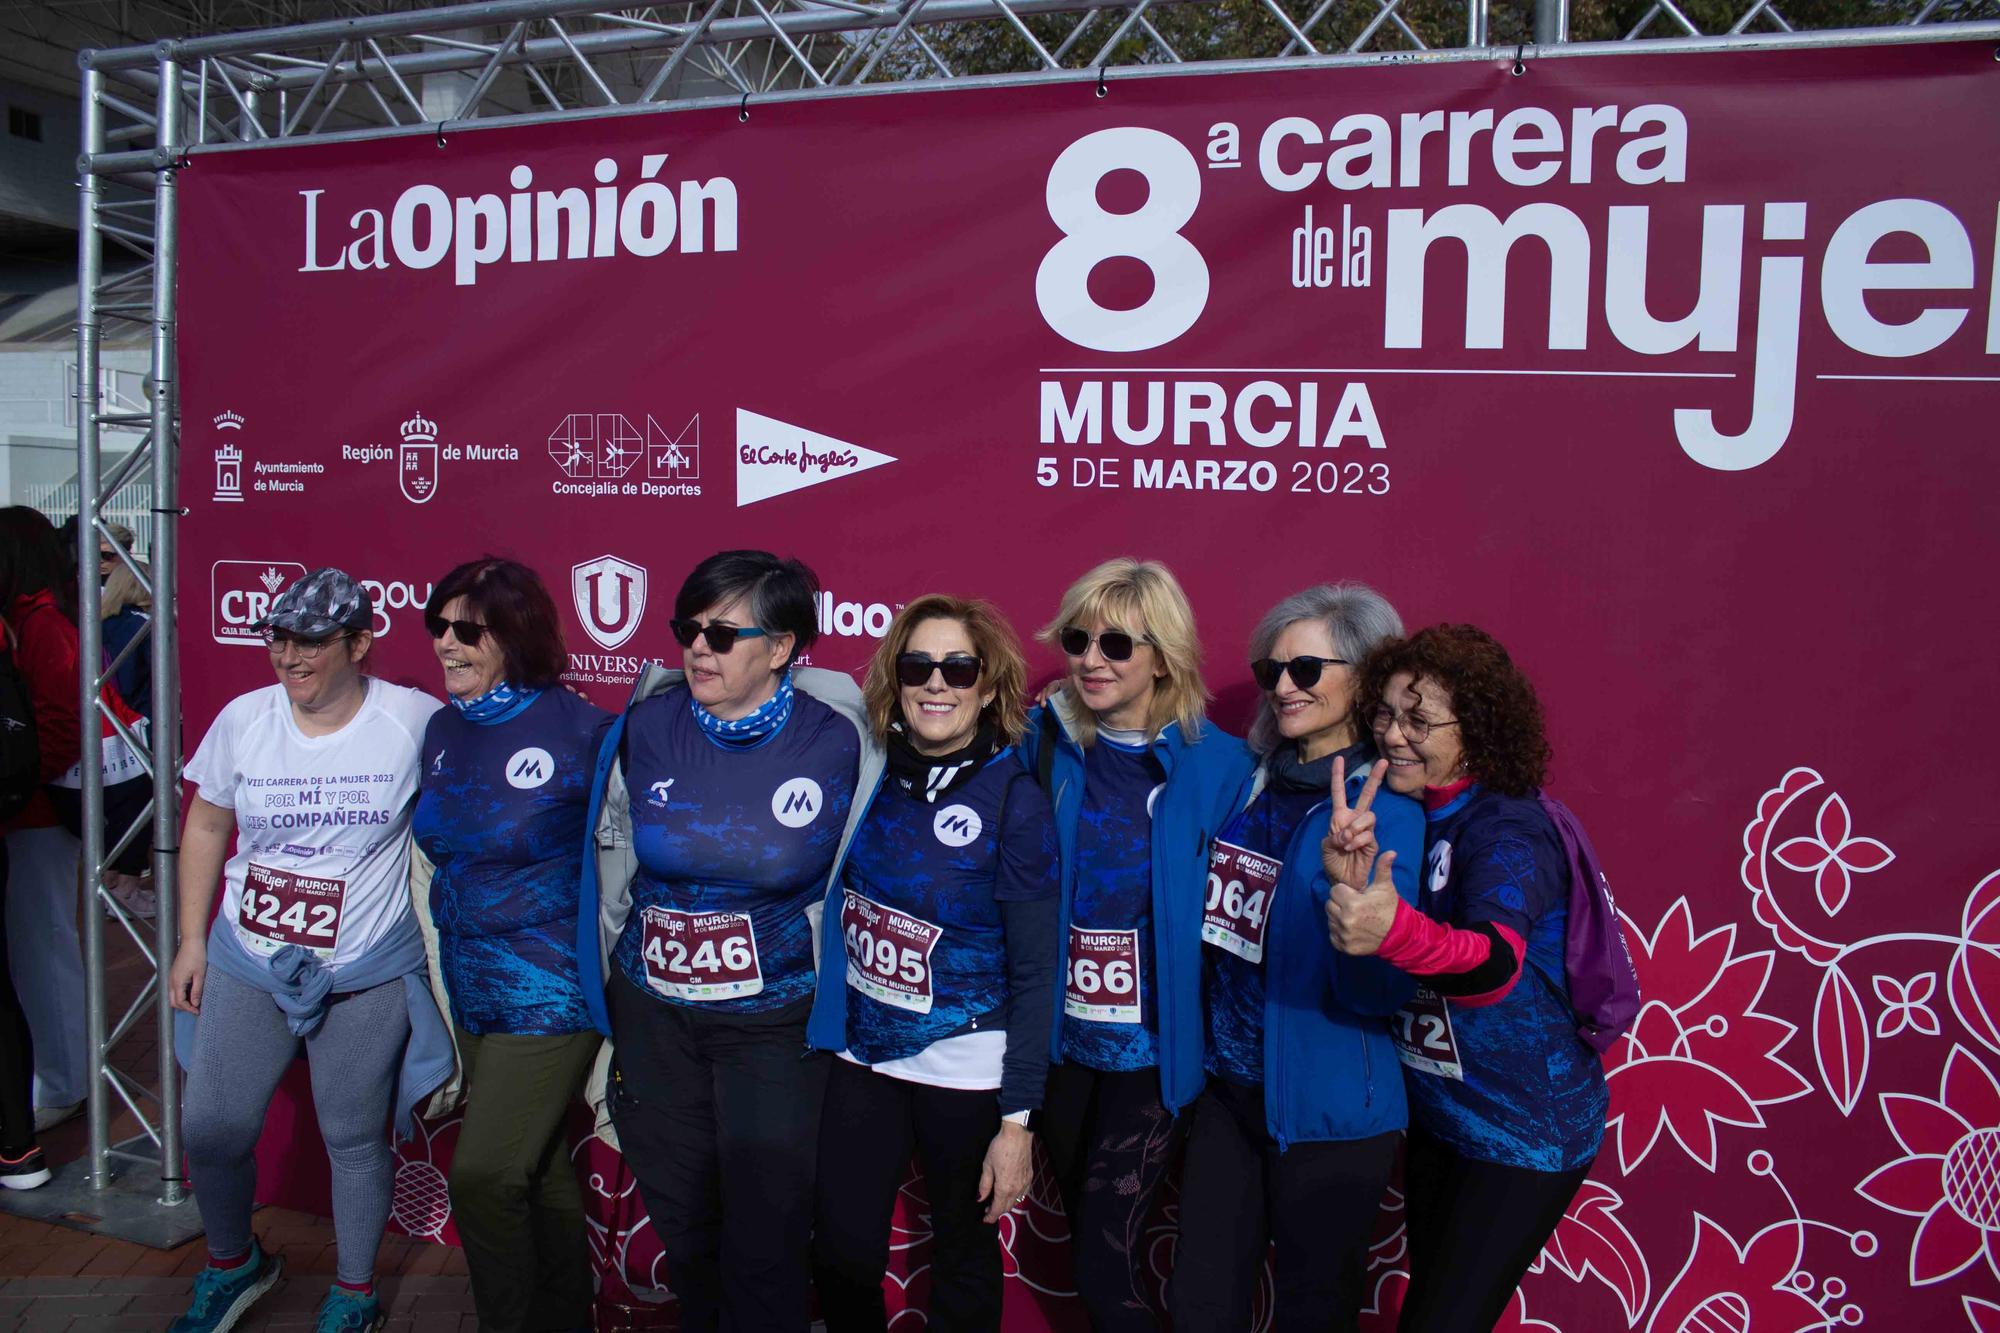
[
  {"x": 1150, "y": 234},
  {"x": 700, "y": 956},
  {"x": 1103, "y": 978}
]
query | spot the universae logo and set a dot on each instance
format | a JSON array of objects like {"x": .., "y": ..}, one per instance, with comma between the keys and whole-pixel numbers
[
  {"x": 956, "y": 825},
  {"x": 610, "y": 597},
  {"x": 796, "y": 803},
  {"x": 530, "y": 768}
]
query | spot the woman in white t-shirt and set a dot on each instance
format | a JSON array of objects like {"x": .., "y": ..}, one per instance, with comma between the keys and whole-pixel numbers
[{"x": 316, "y": 777}]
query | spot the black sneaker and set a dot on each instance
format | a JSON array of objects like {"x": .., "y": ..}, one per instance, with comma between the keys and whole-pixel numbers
[{"x": 24, "y": 1172}]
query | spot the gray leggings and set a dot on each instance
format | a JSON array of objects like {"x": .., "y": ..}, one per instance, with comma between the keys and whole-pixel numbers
[{"x": 242, "y": 1050}]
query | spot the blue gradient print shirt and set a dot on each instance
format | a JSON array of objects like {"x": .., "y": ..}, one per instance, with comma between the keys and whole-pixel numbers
[
  {"x": 1114, "y": 891},
  {"x": 1235, "y": 988},
  {"x": 947, "y": 865},
  {"x": 1533, "y": 1094},
  {"x": 721, "y": 832},
  {"x": 500, "y": 813}
]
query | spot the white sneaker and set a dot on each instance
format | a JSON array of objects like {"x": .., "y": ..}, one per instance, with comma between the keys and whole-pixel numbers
[
  {"x": 48, "y": 1117},
  {"x": 137, "y": 900}
]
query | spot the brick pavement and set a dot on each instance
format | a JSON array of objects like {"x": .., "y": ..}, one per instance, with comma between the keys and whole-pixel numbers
[{"x": 57, "y": 1280}]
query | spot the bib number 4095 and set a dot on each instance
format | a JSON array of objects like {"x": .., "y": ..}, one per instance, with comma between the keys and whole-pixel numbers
[{"x": 1150, "y": 234}]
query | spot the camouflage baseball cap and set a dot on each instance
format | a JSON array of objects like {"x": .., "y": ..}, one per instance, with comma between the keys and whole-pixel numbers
[{"x": 320, "y": 605}]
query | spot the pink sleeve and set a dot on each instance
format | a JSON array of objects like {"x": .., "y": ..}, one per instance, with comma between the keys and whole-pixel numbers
[{"x": 1426, "y": 948}]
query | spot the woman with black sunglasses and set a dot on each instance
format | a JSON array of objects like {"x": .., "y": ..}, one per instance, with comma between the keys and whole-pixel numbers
[
  {"x": 724, "y": 795},
  {"x": 505, "y": 787},
  {"x": 935, "y": 971},
  {"x": 1139, "y": 782},
  {"x": 1296, "y": 1132}
]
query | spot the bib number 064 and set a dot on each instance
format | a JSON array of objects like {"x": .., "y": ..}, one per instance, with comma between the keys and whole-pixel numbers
[{"x": 1151, "y": 234}]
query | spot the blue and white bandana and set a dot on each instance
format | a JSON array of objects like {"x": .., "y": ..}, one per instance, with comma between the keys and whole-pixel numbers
[
  {"x": 497, "y": 705},
  {"x": 753, "y": 729}
]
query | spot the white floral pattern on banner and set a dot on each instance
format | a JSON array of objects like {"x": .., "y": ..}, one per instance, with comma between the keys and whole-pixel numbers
[{"x": 1949, "y": 1174}]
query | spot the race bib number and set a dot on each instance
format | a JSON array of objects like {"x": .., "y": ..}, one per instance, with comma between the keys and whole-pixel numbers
[
  {"x": 888, "y": 953},
  {"x": 281, "y": 908},
  {"x": 700, "y": 956},
  {"x": 1102, "y": 984},
  {"x": 1423, "y": 1036},
  {"x": 1241, "y": 887}
]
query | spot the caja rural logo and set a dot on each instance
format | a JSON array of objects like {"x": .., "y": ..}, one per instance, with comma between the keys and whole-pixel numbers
[{"x": 242, "y": 592}]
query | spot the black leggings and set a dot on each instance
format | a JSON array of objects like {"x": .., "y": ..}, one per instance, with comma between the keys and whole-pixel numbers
[
  {"x": 1109, "y": 1141},
  {"x": 869, "y": 1127},
  {"x": 718, "y": 1115},
  {"x": 17, "y": 1049},
  {"x": 1474, "y": 1229},
  {"x": 1317, "y": 1201}
]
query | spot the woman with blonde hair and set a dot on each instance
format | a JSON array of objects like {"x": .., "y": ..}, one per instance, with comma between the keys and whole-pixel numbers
[
  {"x": 937, "y": 949},
  {"x": 1125, "y": 753}
]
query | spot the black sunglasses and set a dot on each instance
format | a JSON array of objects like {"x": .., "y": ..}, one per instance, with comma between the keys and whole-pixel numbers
[
  {"x": 1115, "y": 644},
  {"x": 960, "y": 671},
  {"x": 467, "y": 632},
  {"x": 721, "y": 638},
  {"x": 1305, "y": 670}
]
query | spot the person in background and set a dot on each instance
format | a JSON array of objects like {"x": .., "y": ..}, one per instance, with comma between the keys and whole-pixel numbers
[
  {"x": 722, "y": 799},
  {"x": 315, "y": 777},
  {"x": 37, "y": 601},
  {"x": 937, "y": 959},
  {"x": 1296, "y": 1133},
  {"x": 1140, "y": 782},
  {"x": 506, "y": 776},
  {"x": 1507, "y": 1102},
  {"x": 127, "y": 608}
]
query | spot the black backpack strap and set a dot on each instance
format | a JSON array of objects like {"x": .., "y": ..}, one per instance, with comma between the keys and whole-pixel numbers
[{"x": 1045, "y": 756}]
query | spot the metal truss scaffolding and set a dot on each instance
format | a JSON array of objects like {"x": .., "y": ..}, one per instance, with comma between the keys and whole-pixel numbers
[{"x": 148, "y": 109}]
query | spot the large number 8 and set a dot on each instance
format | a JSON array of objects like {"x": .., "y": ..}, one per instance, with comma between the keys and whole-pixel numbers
[{"x": 1151, "y": 235}]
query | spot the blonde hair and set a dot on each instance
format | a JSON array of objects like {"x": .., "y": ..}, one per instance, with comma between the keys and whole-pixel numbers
[
  {"x": 1005, "y": 670},
  {"x": 1143, "y": 598},
  {"x": 122, "y": 589}
]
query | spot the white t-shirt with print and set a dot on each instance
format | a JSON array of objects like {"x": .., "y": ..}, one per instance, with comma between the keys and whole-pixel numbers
[{"x": 322, "y": 854}]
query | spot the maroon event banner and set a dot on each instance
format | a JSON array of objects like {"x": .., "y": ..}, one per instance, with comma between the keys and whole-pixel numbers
[{"x": 1666, "y": 369}]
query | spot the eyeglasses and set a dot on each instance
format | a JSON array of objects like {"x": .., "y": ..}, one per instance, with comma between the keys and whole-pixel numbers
[
  {"x": 309, "y": 650},
  {"x": 467, "y": 632},
  {"x": 960, "y": 670},
  {"x": 1415, "y": 729},
  {"x": 1115, "y": 644},
  {"x": 721, "y": 638},
  {"x": 1305, "y": 671}
]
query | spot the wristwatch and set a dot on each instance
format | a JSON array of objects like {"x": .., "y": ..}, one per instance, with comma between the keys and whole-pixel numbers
[{"x": 1017, "y": 1118}]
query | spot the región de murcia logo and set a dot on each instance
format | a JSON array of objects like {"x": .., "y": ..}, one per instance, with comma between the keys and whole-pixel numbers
[{"x": 420, "y": 456}]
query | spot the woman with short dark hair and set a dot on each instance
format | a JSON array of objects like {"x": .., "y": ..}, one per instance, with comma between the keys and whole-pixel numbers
[
  {"x": 1507, "y": 1102},
  {"x": 505, "y": 790},
  {"x": 723, "y": 797}
]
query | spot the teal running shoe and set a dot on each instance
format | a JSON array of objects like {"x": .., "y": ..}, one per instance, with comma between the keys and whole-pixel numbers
[
  {"x": 345, "y": 1311},
  {"x": 224, "y": 1295}
]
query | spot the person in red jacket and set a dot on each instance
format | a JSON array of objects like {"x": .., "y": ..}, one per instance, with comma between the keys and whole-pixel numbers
[{"x": 41, "y": 903}]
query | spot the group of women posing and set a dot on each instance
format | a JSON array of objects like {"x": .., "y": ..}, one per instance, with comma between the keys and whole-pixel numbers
[{"x": 827, "y": 928}]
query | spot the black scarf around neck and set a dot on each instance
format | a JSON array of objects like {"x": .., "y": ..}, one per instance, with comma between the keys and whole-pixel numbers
[
  {"x": 929, "y": 776},
  {"x": 1288, "y": 772}
]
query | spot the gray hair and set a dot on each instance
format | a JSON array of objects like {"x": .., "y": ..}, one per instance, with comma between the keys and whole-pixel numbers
[{"x": 1356, "y": 617}]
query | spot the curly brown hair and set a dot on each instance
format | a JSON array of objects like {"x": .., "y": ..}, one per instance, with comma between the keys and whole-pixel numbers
[{"x": 1499, "y": 716}]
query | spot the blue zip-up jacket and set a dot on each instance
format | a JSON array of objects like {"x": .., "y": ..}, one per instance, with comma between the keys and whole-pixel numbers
[
  {"x": 605, "y": 900},
  {"x": 1330, "y": 1070},
  {"x": 1207, "y": 780}
]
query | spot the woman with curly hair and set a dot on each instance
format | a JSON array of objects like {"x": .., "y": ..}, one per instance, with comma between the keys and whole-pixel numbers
[{"x": 1507, "y": 1103}]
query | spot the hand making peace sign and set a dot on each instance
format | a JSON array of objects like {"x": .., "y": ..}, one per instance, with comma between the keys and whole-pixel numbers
[{"x": 1348, "y": 850}]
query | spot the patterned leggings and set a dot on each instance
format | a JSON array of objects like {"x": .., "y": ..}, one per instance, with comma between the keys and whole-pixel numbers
[{"x": 1110, "y": 1142}]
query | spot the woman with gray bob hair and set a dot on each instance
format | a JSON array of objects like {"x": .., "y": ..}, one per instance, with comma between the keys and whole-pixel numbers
[
  {"x": 1356, "y": 618},
  {"x": 1299, "y": 1055}
]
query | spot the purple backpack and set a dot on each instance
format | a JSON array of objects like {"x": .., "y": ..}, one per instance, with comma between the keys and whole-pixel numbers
[{"x": 1603, "y": 985}]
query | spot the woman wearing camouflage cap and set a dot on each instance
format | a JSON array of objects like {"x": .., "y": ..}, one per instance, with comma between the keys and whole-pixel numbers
[{"x": 317, "y": 777}]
